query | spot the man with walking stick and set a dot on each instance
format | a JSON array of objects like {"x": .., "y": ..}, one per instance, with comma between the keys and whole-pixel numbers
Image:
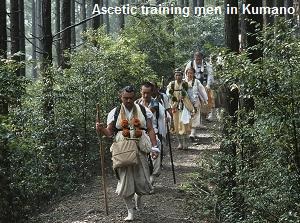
[{"x": 128, "y": 124}]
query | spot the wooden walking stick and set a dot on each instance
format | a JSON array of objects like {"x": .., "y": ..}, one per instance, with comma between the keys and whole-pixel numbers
[
  {"x": 171, "y": 154},
  {"x": 102, "y": 152}
]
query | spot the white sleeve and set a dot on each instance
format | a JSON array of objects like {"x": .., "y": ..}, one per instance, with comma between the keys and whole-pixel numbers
[
  {"x": 166, "y": 101},
  {"x": 168, "y": 89},
  {"x": 201, "y": 91},
  {"x": 162, "y": 121},
  {"x": 149, "y": 113},
  {"x": 210, "y": 77},
  {"x": 110, "y": 116}
]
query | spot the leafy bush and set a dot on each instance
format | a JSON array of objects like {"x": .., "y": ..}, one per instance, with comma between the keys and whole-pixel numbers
[{"x": 257, "y": 171}]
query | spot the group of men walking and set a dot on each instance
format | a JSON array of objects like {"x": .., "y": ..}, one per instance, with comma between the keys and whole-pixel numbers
[{"x": 150, "y": 116}]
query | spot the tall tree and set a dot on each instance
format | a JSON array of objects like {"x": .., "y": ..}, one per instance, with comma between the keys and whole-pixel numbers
[
  {"x": 254, "y": 23},
  {"x": 96, "y": 20},
  {"x": 14, "y": 29},
  {"x": 34, "y": 41},
  {"x": 57, "y": 29},
  {"x": 66, "y": 35},
  {"x": 106, "y": 17},
  {"x": 47, "y": 61},
  {"x": 200, "y": 3},
  {"x": 232, "y": 27},
  {"x": 5, "y": 194},
  {"x": 22, "y": 35},
  {"x": 121, "y": 17},
  {"x": 39, "y": 25},
  {"x": 73, "y": 30},
  {"x": 83, "y": 14},
  {"x": 101, "y": 3},
  {"x": 194, "y": 3},
  {"x": 268, "y": 18},
  {"x": 289, "y": 3},
  {"x": 3, "y": 33}
]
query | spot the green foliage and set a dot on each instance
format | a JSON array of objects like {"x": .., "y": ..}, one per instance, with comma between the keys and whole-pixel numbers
[
  {"x": 150, "y": 37},
  {"x": 48, "y": 157},
  {"x": 197, "y": 33},
  {"x": 257, "y": 171}
]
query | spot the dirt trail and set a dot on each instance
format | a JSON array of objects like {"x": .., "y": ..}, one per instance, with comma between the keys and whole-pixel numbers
[{"x": 166, "y": 205}]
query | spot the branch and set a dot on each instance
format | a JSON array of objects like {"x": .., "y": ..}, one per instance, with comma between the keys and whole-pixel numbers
[{"x": 76, "y": 24}]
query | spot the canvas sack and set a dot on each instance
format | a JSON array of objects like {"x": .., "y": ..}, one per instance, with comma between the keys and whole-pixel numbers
[{"x": 124, "y": 153}]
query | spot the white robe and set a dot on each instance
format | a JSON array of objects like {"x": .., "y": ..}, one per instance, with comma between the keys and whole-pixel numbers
[{"x": 133, "y": 179}]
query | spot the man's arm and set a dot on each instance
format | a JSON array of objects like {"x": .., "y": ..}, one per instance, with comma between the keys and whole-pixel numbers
[
  {"x": 151, "y": 133},
  {"x": 108, "y": 131}
]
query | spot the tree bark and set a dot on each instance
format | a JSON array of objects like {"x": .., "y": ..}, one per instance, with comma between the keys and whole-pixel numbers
[
  {"x": 106, "y": 17},
  {"x": 3, "y": 33},
  {"x": 186, "y": 3},
  {"x": 96, "y": 21},
  {"x": 57, "y": 29},
  {"x": 83, "y": 14},
  {"x": 269, "y": 19},
  {"x": 121, "y": 17},
  {"x": 252, "y": 30},
  {"x": 22, "y": 35},
  {"x": 14, "y": 29},
  {"x": 289, "y": 3},
  {"x": 73, "y": 30},
  {"x": 39, "y": 34},
  {"x": 232, "y": 28},
  {"x": 66, "y": 35},
  {"x": 34, "y": 42},
  {"x": 200, "y": 3},
  {"x": 47, "y": 61}
]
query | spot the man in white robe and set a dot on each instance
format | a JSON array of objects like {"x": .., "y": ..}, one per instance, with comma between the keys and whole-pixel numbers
[{"x": 134, "y": 181}]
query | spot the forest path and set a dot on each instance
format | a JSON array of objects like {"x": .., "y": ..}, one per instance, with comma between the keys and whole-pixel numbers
[{"x": 166, "y": 205}]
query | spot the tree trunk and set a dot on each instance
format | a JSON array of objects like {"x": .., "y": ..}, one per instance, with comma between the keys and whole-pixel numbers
[
  {"x": 3, "y": 33},
  {"x": 186, "y": 3},
  {"x": 121, "y": 17},
  {"x": 73, "y": 30},
  {"x": 14, "y": 29},
  {"x": 194, "y": 3},
  {"x": 101, "y": 18},
  {"x": 106, "y": 17},
  {"x": 252, "y": 21},
  {"x": 289, "y": 3},
  {"x": 47, "y": 61},
  {"x": 232, "y": 28},
  {"x": 96, "y": 20},
  {"x": 83, "y": 14},
  {"x": 181, "y": 3},
  {"x": 34, "y": 42},
  {"x": 200, "y": 3},
  {"x": 5, "y": 193},
  {"x": 39, "y": 34},
  {"x": 269, "y": 19},
  {"x": 22, "y": 35},
  {"x": 66, "y": 35},
  {"x": 57, "y": 29}
]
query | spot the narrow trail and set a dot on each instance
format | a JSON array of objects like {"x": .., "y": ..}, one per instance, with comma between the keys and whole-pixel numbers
[{"x": 166, "y": 205}]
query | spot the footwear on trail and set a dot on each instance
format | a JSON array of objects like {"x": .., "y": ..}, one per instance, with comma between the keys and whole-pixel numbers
[
  {"x": 129, "y": 216},
  {"x": 138, "y": 202}
]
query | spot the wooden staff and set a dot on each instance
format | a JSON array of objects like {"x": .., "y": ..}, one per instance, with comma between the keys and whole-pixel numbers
[
  {"x": 102, "y": 152},
  {"x": 170, "y": 147}
]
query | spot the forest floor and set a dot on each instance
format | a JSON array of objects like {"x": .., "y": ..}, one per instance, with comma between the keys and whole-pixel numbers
[{"x": 166, "y": 205}]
